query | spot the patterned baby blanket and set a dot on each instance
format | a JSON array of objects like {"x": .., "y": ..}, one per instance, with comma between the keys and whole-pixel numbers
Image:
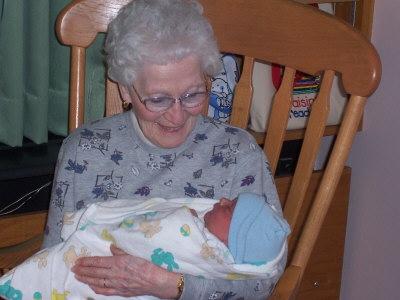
[{"x": 159, "y": 230}]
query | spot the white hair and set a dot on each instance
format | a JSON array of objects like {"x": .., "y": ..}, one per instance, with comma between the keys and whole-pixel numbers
[{"x": 159, "y": 32}]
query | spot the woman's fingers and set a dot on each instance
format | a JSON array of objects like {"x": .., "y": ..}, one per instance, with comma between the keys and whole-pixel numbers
[
  {"x": 94, "y": 261},
  {"x": 97, "y": 282},
  {"x": 117, "y": 251},
  {"x": 92, "y": 270},
  {"x": 125, "y": 275}
]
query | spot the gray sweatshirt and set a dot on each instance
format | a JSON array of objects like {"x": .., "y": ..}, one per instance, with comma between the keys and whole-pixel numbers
[{"x": 110, "y": 159}]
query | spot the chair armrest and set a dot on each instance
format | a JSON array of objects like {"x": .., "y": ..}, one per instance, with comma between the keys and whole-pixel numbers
[
  {"x": 286, "y": 288},
  {"x": 12, "y": 256}
]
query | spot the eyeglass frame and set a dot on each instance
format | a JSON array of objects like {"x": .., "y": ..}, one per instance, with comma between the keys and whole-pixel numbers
[{"x": 207, "y": 93}]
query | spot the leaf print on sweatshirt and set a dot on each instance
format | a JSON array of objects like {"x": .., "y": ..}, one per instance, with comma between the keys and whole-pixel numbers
[
  {"x": 77, "y": 168},
  {"x": 231, "y": 130},
  {"x": 248, "y": 180},
  {"x": 200, "y": 137},
  {"x": 143, "y": 191},
  {"x": 197, "y": 174},
  {"x": 116, "y": 156}
]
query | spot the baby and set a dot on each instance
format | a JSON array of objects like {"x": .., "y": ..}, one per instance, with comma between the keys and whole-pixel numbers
[
  {"x": 253, "y": 232},
  {"x": 226, "y": 239}
]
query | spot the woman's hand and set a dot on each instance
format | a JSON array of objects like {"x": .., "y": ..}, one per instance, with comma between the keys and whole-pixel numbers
[{"x": 125, "y": 275}]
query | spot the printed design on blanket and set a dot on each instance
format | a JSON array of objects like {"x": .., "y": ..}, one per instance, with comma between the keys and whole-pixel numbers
[
  {"x": 161, "y": 231},
  {"x": 57, "y": 296},
  {"x": 41, "y": 259},
  {"x": 150, "y": 228},
  {"x": 70, "y": 256},
  {"x": 105, "y": 235},
  {"x": 9, "y": 292},
  {"x": 185, "y": 230},
  {"x": 208, "y": 252},
  {"x": 127, "y": 223},
  {"x": 68, "y": 219},
  {"x": 234, "y": 276},
  {"x": 37, "y": 296},
  {"x": 159, "y": 257}
]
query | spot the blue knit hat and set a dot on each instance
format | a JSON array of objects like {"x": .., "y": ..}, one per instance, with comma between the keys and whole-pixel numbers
[{"x": 256, "y": 233}]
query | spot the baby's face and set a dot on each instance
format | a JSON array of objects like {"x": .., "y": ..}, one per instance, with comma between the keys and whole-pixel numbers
[{"x": 218, "y": 220}]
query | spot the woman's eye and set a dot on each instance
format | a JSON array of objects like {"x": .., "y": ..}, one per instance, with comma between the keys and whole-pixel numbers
[{"x": 159, "y": 100}]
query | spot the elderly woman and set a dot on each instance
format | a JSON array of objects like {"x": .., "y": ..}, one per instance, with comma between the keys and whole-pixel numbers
[{"x": 159, "y": 52}]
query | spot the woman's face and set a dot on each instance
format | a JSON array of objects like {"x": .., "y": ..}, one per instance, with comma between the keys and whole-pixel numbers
[{"x": 167, "y": 129}]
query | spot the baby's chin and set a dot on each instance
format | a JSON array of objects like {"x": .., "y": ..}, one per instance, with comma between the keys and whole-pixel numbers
[{"x": 206, "y": 216}]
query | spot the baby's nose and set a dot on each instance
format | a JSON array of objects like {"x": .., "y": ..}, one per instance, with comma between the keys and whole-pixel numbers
[{"x": 224, "y": 201}]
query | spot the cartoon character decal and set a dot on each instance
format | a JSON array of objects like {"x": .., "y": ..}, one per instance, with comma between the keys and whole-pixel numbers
[{"x": 222, "y": 88}]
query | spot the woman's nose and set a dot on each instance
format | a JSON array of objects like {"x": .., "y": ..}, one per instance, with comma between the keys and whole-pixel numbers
[{"x": 175, "y": 114}]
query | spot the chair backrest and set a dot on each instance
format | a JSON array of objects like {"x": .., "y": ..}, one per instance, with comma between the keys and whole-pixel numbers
[{"x": 265, "y": 31}]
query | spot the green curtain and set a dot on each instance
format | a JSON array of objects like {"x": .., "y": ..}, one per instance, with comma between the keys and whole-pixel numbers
[{"x": 34, "y": 73}]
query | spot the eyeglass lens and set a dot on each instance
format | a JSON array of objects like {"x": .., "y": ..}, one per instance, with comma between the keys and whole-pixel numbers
[{"x": 158, "y": 104}]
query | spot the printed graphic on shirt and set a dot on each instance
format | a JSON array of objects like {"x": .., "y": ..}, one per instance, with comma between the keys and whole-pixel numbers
[
  {"x": 61, "y": 190},
  {"x": 199, "y": 190},
  {"x": 217, "y": 295},
  {"x": 117, "y": 156},
  {"x": 200, "y": 137},
  {"x": 231, "y": 130},
  {"x": 161, "y": 162},
  {"x": 188, "y": 155},
  {"x": 143, "y": 191},
  {"x": 107, "y": 186},
  {"x": 225, "y": 154},
  {"x": 78, "y": 168},
  {"x": 214, "y": 122},
  {"x": 96, "y": 139},
  {"x": 248, "y": 180}
]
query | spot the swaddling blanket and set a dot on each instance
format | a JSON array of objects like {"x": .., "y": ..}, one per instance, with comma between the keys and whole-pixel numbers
[{"x": 161, "y": 231}]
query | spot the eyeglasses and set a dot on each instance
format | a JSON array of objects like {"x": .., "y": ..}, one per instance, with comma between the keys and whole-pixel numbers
[{"x": 162, "y": 104}]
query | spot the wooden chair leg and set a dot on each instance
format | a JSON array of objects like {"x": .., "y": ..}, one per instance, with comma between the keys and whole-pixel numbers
[{"x": 288, "y": 284}]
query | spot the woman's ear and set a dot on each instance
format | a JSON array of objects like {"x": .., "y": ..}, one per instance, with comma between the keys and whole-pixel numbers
[{"x": 124, "y": 92}]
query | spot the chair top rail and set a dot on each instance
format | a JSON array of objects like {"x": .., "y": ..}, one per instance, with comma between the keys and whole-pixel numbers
[
  {"x": 81, "y": 20},
  {"x": 284, "y": 35},
  {"x": 298, "y": 36}
]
